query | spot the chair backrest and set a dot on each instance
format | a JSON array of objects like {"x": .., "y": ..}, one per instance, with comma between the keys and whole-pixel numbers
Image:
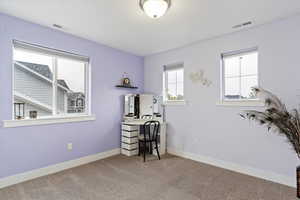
[
  {"x": 146, "y": 117},
  {"x": 151, "y": 129}
]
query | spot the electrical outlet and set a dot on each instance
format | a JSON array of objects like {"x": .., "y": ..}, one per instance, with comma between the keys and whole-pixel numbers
[{"x": 70, "y": 146}]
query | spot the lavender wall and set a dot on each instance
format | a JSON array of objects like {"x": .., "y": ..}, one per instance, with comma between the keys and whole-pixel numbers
[
  {"x": 216, "y": 131},
  {"x": 27, "y": 148}
]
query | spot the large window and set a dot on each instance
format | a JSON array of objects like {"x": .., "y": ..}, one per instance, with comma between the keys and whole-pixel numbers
[
  {"x": 239, "y": 75},
  {"x": 174, "y": 82},
  {"x": 49, "y": 83}
]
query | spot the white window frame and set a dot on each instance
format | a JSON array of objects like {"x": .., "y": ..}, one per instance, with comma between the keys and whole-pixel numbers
[
  {"x": 237, "y": 102},
  {"x": 54, "y": 118},
  {"x": 171, "y": 67}
]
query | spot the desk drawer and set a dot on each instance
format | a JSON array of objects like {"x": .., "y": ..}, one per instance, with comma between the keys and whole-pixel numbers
[
  {"x": 130, "y": 146},
  {"x": 129, "y": 153},
  {"x": 130, "y": 133},
  {"x": 130, "y": 127},
  {"x": 130, "y": 140}
]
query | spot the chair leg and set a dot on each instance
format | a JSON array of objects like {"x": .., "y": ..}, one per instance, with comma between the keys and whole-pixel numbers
[
  {"x": 139, "y": 149},
  {"x": 150, "y": 148},
  {"x": 157, "y": 150},
  {"x": 145, "y": 148}
]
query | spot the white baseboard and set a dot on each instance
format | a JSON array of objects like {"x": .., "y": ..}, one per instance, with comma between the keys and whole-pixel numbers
[
  {"x": 26, "y": 176},
  {"x": 270, "y": 176}
]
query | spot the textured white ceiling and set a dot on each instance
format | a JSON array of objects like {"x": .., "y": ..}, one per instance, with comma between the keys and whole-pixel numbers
[{"x": 121, "y": 24}]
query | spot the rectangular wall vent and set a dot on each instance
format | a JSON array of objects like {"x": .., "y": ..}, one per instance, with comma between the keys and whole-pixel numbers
[
  {"x": 57, "y": 26},
  {"x": 242, "y": 25}
]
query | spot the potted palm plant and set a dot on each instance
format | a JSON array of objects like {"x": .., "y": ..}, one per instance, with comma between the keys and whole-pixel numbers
[{"x": 277, "y": 118}]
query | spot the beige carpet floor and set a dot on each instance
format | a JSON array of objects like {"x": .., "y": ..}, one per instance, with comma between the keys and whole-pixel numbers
[{"x": 128, "y": 178}]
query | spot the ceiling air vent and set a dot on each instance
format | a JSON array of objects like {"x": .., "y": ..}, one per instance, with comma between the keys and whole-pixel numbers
[
  {"x": 242, "y": 25},
  {"x": 57, "y": 26}
]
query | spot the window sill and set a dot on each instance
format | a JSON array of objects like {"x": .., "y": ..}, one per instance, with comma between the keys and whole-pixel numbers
[
  {"x": 175, "y": 103},
  {"x": 48, "y": 120},
  {"x": 246, "y": 103}
]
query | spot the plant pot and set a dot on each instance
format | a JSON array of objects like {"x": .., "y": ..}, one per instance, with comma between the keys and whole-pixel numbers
[{"x": 298, "y": 181}]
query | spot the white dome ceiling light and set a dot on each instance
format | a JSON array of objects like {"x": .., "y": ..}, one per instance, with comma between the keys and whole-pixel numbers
[{"x": 155, "y": 8}]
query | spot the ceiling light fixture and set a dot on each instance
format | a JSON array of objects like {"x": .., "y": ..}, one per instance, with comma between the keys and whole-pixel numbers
[{"x": 155, "y": 8}]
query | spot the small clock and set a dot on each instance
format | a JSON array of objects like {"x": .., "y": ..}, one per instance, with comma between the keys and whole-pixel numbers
[{"x": 126, "y": 81}]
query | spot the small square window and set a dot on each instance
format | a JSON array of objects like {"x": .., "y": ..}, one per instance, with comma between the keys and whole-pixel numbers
[{"x": 239, "y": 75}]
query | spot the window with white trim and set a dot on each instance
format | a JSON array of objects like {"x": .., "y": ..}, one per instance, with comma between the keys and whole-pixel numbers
[
  {"x": 174, "y": 82},
  {"x": 49, "y": 83},
  {"x": 239, "y": 75}
]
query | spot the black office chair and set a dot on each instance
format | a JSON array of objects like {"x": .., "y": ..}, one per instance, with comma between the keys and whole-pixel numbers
[{"x": 149, "y": 136}]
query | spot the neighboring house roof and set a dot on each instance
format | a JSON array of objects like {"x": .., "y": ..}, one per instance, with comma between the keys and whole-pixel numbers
[
  {"x": 63, "y": 83},
  {"x": 44, "y": 71},
  {"x": 233, "y": 96},
  {"x": 75, "y": 95}
]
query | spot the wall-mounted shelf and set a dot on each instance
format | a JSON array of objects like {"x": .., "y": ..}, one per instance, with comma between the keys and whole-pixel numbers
[{"x": 125, "y": 86}]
